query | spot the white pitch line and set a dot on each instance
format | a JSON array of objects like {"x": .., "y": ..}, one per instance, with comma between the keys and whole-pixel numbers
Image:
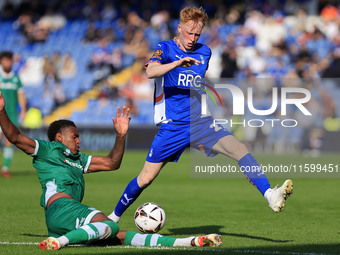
[{"x": 182, "y": 249}]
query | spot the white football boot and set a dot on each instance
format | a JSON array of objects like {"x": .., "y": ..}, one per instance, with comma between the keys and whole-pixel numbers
[{"x": 276, "y": 197}]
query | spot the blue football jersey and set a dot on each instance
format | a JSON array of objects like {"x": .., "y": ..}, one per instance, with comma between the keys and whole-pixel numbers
[{"x": 177, "y": 95}]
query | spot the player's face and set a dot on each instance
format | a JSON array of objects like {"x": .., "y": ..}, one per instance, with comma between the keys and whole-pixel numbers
[
  {"x": 69, "y": 136},
  {"x": 6, "y": 64},
  {"x": 189, "y": 33}
]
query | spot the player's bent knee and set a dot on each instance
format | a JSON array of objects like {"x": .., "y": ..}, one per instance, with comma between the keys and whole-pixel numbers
[
  {"x": 113, "y": 228},
  {"x": 144, "y": 181},
  {"x": 101, "y": 230}
]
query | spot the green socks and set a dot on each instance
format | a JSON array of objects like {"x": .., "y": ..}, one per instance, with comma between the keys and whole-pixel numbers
[
  {"x": 90, "y": 232},
  {"x": 134, "y": 238}
]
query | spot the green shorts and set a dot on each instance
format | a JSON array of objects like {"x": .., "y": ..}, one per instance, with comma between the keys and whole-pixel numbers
[{"x": 66, "y": 214}]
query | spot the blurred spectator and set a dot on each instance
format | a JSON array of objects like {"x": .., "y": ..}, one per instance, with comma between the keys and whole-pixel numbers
[
  {"x": 256, "y": 63},
  {"x": 116, "y": 59},
  {"x": 58, "y": 95},
  {"x": 160, "y": 23},
  {"x": 56, "y": 62},
  {"x": 329, "y": 13},
  {"x": 132, "y": 106},
  {"x": 31, "y": 29},
  {"x": 51, "y": 21},
  {"x": 36, "y": 28},
  {"x": 68, "y": 67},
  {"x": 92, "y": 34},
  {"x": 139, "y": 87},
  {"x": 229, "y": 65},
  {"x": 100, "y": 61},
  {"x": 137, "y": 44},
  {"x": 109, "y": 13},
  {"x": 18, "y": 63}
]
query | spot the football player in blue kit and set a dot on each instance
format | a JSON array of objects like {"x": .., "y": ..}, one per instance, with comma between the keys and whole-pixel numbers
[{"x": 177, "y": 66}]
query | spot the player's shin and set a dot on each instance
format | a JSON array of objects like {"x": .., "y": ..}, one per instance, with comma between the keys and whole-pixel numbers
[
  {"x": 254, "y": 173},
  {"x": 130, "y": 194}
]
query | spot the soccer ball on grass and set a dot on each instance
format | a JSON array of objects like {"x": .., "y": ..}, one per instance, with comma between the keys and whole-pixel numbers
[{"x": 149, "y": 218}]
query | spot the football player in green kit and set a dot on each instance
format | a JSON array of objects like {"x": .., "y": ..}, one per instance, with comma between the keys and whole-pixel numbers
[
  {"x": 11, "y": 88},
  {"x": 60, "y": 168}
]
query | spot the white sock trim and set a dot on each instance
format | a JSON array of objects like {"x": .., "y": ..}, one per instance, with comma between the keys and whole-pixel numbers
[
  {"x": 114, "y": 217},
  {"x": 91, "y": 234},
  {"x": 63, "y": 240},
  {"x": 138, "y": 240},
  {"x": 183, "y": 241},
  {"x": 8, "y": 152},
  {"x": 267, "y": 194},
  {"x": 154, "y": 239}
]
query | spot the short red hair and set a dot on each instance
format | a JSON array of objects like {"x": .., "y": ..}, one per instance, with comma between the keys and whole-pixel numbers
[{"x": 194, "y": 14}]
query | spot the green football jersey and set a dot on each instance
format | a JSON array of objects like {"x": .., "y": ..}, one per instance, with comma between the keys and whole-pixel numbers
[
  {"x": 10, "y": 84},
  {"x": 59, "y": 170}
]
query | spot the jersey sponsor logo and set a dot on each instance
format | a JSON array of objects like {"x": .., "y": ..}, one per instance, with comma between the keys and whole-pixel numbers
[
  {"x": 189, "y": 79},
  {"x": 73, "y": 164},
  {"x": 8, "y": 85},
  {"x": 180, "y": 57}
]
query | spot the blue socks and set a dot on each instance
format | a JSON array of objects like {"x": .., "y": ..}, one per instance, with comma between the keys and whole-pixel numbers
[
  {"x": 254, "y": 173},
  {"x": 249, "y": 167},
  {"x": 130, "y": 194}
]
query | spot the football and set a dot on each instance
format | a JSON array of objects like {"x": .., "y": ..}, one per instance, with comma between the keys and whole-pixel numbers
[{"x": 149, "y": 218}]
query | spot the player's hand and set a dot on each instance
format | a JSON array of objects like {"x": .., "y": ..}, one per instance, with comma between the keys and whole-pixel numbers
[
  {"x": 2, "y": 102},
  {"x": 188, "y": 61},
  {"x": 122, "y": 120}
]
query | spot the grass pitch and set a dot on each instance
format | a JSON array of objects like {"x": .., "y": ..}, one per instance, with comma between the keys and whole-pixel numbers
[{"x": 308, "y": 225}]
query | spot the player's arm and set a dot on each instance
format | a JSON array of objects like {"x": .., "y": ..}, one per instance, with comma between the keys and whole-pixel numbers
[
  {"x": 12, "y": 133},
  {"x": 156, "y": 69},
  {"x": 113, "y": 160},
  {"x": 22, "y": 103}
]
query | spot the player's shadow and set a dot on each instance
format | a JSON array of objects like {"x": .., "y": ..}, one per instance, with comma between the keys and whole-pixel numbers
[{"x": 216, "y": 229}]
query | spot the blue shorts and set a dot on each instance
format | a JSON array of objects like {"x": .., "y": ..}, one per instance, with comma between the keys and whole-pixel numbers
[{"x": 174, "y": 137}]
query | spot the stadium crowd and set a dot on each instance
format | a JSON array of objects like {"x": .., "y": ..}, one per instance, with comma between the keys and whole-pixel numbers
[{"x": 64, "y": 48}]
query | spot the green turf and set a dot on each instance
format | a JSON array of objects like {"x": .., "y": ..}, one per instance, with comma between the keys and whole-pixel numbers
[{"x": 232, "y": 207}]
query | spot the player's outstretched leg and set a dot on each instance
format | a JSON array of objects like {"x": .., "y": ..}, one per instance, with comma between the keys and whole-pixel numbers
[
  {"x": 134, "y": 238},
  {"x": 130, "y": 194},
  {"x": 276, "y": 197},
  {"x": 89, "y": 232},
  {"x": 254, "y": 173}
]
